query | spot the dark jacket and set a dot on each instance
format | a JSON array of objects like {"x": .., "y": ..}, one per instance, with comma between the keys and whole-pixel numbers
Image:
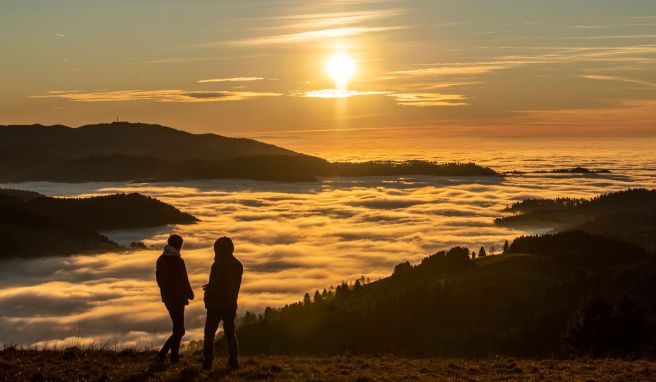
[
  {"x": 173, "y": 280},
  {"x": 223, "y": 289}
]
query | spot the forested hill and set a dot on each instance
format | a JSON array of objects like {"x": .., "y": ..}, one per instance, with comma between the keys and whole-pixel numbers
[
  {"x": 132, "y": 139},
  {"x": 628, "y": 215},
  {"x": 123, "y": 151},
  {"x": 539, "y": 298},
  {"x": 33, "y": 225}
]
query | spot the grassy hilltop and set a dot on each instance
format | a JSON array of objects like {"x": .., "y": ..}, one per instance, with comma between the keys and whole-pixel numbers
[{"x": 76, "y": 365}]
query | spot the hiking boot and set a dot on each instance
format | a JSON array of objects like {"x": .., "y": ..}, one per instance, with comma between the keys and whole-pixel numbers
[{"x": 207, "y": 365}]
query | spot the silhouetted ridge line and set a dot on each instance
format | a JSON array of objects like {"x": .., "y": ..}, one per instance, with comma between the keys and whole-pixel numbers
[{"x": 123, "y": 151}]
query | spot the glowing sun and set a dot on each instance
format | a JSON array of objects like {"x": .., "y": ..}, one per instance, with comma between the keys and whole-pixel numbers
[{"x": 341, "y": 68}]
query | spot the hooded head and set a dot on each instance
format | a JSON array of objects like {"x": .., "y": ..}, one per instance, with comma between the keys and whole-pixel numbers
[
  {"x": 175, "y": 241},
  {"x": 223, "y": 247}
]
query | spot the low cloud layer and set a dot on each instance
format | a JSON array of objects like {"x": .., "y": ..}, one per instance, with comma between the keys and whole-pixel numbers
[{"x": 292, "y": 238}]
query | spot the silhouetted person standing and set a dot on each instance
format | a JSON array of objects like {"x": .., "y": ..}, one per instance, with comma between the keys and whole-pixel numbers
[
  {"x": 176, "y": 292},
  {"x": 221, "y": 301}
]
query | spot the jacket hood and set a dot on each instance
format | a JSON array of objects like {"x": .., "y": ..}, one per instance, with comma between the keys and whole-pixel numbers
[{"x": 171, "y": 251}]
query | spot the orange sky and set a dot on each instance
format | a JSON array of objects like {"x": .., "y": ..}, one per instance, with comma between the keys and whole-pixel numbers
[{"x": 428, "y": 68}]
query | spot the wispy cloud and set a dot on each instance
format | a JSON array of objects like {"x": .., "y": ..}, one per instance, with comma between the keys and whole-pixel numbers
[
  {"x": 301, "y": 37},
  {"x": 183, "y": 96},
  {"x": 609, "y": 26},
  {"x": 403, "y": 99},
  {"x": 187, "y": 59},
  {"x": 336, "y": 93},
  {"x": 335, "y": 19},
  {"x": 613, "y": 37},
  {"x": 231, "y": 79},
  {"x": 315, "y": 25},
  {"x": 429, "y": 99},
  {"x": 638, "y": 54},
  {"x": 439, "y": 85},
  {"x": 453, "y": 69},
  {"x": 646, "y": 84}
]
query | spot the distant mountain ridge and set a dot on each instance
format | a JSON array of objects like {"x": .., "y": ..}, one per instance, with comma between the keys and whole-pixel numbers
[
  {"x": 132, "y": 139},
  {"x": 123, "y": 151}
]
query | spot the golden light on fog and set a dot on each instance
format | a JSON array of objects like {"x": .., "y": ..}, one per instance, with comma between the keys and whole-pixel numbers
[{"x": 341, "y": 68}]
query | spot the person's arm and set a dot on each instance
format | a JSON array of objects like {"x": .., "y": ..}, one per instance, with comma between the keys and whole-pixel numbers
[
  {"x": 163, "y": 276},
  {"x": 189, "y": 292},
  {"x": 158, "y": 277},
  {"x": 241, "y": 274},
  {"x": 214, "y": 278}
]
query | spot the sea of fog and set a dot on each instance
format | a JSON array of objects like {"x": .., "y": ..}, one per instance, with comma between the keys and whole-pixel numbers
[{"x": 291, "y": 238}]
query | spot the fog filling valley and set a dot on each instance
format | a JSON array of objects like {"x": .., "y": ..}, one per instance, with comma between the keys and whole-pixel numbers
[{"x": 291, "y": 238}]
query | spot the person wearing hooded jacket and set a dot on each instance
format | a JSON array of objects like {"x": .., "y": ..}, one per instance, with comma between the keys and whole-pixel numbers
[
  {"x": 221, "y": 295},
  {"x": 173, "y": 282}
]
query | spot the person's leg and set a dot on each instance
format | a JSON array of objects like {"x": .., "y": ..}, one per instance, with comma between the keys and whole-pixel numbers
[
  {"x": 211, "y": 325},
  {"x": 231, "y": 339},
  {"x": 177, "y": 316},
  {"x": 165, "y": 349},
  {"x": 169, "y": 342}
]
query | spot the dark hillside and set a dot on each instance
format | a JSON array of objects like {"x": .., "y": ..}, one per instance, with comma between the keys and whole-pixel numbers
[
  {"x": 450, "y": 305},
  {"x": 580, "y": 249},
  {"x": 33, "y": 225},
  {"x": 626, "y": 215},
  {"x": 19, "y": 195},
  {"x": 25, "y": 234},
  {"x": 107, "y": 212},
  {"x": 631, "y": 199},
  {"x": 413, "y": 167},
  {"x": 115, "y": 167}
]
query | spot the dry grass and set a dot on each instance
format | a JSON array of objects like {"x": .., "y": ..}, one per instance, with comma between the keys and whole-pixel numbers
[{"x": 93, "y": 365}]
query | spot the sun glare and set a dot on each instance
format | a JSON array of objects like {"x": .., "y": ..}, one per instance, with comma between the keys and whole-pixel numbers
[{"x": 341, "y": 68}]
